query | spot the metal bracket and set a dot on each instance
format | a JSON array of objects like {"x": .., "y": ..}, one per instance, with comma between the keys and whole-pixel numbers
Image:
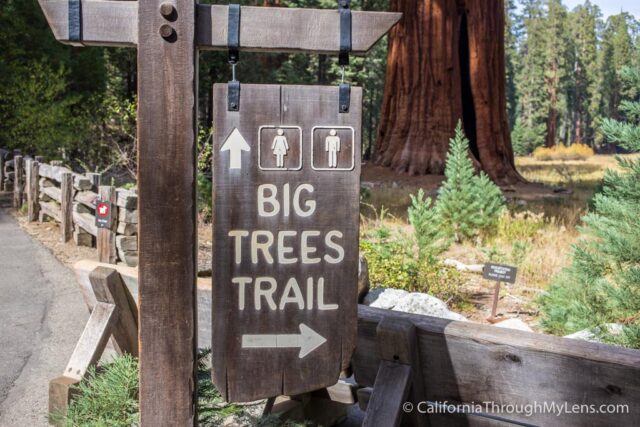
[
  {"x": 233, "y": 43},
  {"x": 344, "y": 8},
  {"x": 75, "y": 21},
  {"x": 344, "y": 98}
]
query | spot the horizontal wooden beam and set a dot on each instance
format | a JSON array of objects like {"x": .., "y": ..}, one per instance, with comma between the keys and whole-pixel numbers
[
  {"x": 468, "y": 362},
  {"x": 104, "y": 23},
  {"x": 262, "y": 29},
  {"x": 278, "y": 29}
]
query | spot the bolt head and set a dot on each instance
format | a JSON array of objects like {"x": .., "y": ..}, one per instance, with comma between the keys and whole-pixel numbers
[
  {"x": 167, "y": 9},
  {"x": 167, "y": 31}
]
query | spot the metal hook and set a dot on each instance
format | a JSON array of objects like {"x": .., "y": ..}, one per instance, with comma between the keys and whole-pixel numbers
[
  {"x": 343, "y": 72},
  {"x": 233, "y": 71}
]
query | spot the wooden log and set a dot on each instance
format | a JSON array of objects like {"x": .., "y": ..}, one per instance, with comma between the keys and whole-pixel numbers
[
  {"x": 51, "y": 210},
  {"x": 61, "y": 391},
  {"x": 127, "y": 243},
  {"x": 52, "y": 193},
  {"x": 44, "y": 182},
  {"x": 468, "y": 362},
  {"x": 86, "y": 221},
  {"x": 18, "y": 182},
  {"x": 82, "y": 208},
  {"x": 95, "y": 180},
  {"x": 52, "y": 172},
  {"x": 82, "y": 182},
  {"x": 108, "y": 287},
  {"x": 390, "y": 392},
  {"x": 130, "y": 258},
  {"x": 167, "y": 136},
  {"x": 127, "y": 199},
  {"x": 57, "y": 163},
  {"x": 92, "y": 341},
  {"x": 104, "y": 23},
  {"x": 106, "y": 239},
  {"x": 128, "y": 216},
  {"x": 81, "y": 237},
  {"x": 299, "y": 30},
  {"x": 66, "y": 206},
  {"x": 33, "y": 207},
  {"x": 127, "y": 229},
  {"x": 2, "y": 177},
  {"x": 114, "y": 23},
  {"x": 87, "y": 198}
]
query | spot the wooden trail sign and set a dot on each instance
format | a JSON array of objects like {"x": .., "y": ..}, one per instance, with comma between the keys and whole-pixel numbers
[
  {"x": 169, "y": 35},
  {"x": 286, "y": 217}
]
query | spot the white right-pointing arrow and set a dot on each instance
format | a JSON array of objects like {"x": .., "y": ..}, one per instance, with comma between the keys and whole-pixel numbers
[
  {"x": 307, "y": 340},
  {"x": 235, "y": 144}
]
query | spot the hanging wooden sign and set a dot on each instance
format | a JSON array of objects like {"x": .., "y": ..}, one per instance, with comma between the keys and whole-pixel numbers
[{"x": 286, "y": 216}]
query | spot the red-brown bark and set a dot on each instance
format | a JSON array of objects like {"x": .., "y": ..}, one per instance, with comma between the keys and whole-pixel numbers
[{"x": 446, "y": 63}]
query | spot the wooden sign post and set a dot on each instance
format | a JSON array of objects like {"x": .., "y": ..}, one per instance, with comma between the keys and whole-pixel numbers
[
  {"x": 498, "y": 273},
  {"x": 286, "y": 215},
  {"x": 168, "y": 35}
]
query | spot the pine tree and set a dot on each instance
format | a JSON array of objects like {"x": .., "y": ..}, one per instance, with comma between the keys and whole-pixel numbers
[
  {"x": 602, "y": 285},
  {"x": 467, "y": 204}
]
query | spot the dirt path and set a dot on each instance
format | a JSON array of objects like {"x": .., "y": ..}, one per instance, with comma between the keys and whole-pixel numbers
[{"x": 42, "y": 316}]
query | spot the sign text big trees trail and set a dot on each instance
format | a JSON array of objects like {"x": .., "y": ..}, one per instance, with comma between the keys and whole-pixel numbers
[{"x": 286, "y": 198}]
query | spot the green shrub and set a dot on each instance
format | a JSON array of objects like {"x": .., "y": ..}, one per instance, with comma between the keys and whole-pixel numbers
[
  {"x": 428, "y": 233},
  {"x": 467, "y": 204}
]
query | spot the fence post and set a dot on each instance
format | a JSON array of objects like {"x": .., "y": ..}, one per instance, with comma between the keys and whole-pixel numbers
[
  {"x": 32, "y": 188},
  {"x": 66, "y": 205},
  {"x": 1, "y": 170},
  {"x": 106, "y": 239},
  {"x": 95, "y": 180},
  {"x": 18, "y": 183}
]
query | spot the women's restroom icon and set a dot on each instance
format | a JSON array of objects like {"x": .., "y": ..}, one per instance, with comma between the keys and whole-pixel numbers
[{"x": 280, "y": 148}]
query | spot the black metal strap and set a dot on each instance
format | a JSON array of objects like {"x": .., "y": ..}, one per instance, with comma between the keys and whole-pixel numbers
[
  {"x": 233, "y": 95},
  {"x": 344, "y": 95},
  {"x": 344, "y": 7},
  {"x": 233, "y": 33},
  {"x": 75, "y": 21},
  {"x": 233, "y": 43}
]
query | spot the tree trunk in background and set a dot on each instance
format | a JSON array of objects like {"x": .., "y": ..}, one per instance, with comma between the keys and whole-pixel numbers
[{"x": 445, "y": 63}]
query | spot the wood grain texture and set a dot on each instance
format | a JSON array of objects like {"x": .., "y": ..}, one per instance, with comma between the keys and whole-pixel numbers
[
  {"x": 104, "y": 23},
  {"x": 92, "y": 341},
  {"x": 106, "y": 238},
  {"x": 468, "y": 362},
  {"x": 167, "y": 207},
  {"x": 390, "y": 391},
  {"x": 61, "y": 391},
  {"x": 18, "y": 181},
  {"x": 32, "y": 187},
  {"x": 51, "y": 210},
  {"x": 85, "y": 221},
  {"x": 114, "y": 23},
  {"x": 246, "y": 374},
  {"x": 291, "y": 29},
  {"x": 66, "y": 206},
  {"x": 108, "y": 287}
]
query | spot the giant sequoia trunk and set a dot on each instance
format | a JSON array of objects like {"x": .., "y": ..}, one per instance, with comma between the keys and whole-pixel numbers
[{"x": 446, "y": 63}]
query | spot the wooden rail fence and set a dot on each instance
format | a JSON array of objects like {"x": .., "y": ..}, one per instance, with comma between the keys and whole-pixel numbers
[{"x": 51, "y": 191}]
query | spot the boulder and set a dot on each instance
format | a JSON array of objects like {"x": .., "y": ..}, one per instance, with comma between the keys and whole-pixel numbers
[
  {"x": 426, "y": 305},
  {"x": 384, "y": 298},
  {"x": 591, "y": 335},
  {"x": 514, "y": 323}
]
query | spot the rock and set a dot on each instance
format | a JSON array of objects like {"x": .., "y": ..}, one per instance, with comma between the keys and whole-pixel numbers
[
  {"x": 460, "y": 266},
  {"x": 363, "y": 279},
  {"x": 426, "y": 305},
  {"x": 514, "y": 323},
  {"x": 384, "y": 298},
  {"x": 591, "y": 334}
]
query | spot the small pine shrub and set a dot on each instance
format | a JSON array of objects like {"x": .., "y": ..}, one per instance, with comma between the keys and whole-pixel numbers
[
  {"x": 601, "y": 285},
  {"x": 467, "y": 204},
  {"x": 428, "y": 233}
]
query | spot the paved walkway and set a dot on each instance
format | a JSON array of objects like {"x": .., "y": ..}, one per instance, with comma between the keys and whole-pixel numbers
[{"x": 42, "y": 315}]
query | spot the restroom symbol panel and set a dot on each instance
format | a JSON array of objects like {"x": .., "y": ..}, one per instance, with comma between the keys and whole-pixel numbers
[
  {"x": 280, "y": 148},
  {"x": 332, "y": 148}
]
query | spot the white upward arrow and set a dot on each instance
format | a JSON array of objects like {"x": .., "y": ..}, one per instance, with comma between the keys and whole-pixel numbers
[
  {"x": 235, "y": 144},
  {"x": 307, "y": 340}
]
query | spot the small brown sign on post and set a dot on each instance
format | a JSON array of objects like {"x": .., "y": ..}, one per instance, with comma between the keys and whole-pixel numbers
[
  {"x": 286, "y": 216},
  {"x": 499, "y": 273}
]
